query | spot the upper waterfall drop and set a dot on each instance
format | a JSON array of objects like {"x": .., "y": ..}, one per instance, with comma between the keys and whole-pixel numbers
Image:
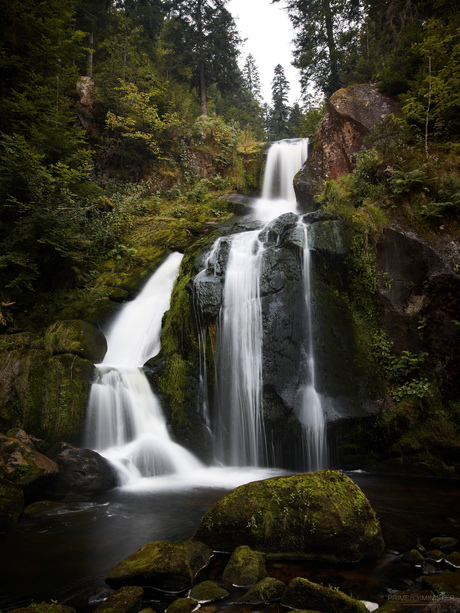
[
  {"x": 284, "y": 159},
  {"x": 125, "y": 422}
]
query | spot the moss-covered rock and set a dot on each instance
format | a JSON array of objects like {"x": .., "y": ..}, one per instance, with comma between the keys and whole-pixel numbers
[
  {"x": 303, "y": 594},
  {"x": 245, "y": 567},
  {"x": 44, "y": 394},
  {"x": 321, "y": 515},
  {"x": 183, "y": 605},
  {"x": 78, "y": 338},
  {"x": 24, "y": 465},
  {"x": 447, "y": 583},
  {"x": 11, "y": 503},
  {"x": 45, "y": 508},
  {"x": 413, "y": 557},
  {"x": 443, "y": 542},
  {"x": 127, "y": 599},
  {"x": 163, "y": 565},
  {"x": 207, "y": 591},
  {"x": 267, "y": 591},
  {"x": 44, "y": 607},
  {"x": 453, "y": 559}
]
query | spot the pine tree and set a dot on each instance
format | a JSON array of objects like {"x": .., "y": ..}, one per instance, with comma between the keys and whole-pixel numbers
[
  {"x": 280, "y": 109},
  {"x": 252, "y": 77},
  {"x": 324, "y": 30},
  {"x": 203, "y": 34}
]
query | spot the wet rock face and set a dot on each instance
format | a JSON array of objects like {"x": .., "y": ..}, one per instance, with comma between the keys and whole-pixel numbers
[
  {"x": 321, "y": 515},
  {"x": 419, "y": 296},
  {"x": 351, "y": 114},
  {"x": 82, "y": 472}
]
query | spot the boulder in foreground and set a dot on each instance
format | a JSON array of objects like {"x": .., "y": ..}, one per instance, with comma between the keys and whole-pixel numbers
[
  {"x": 321, "y": 516},
  {"x": 166, "y": 566}
]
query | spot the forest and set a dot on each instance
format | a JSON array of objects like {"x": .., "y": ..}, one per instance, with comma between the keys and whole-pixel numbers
[{"x": 165, "y": 77}]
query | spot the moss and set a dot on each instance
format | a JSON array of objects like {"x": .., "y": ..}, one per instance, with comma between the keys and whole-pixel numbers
[
  {"x": 301, "y": 593},
  {"x": 182, "y": 605},
  {"x": 321, "y": 515},
  {"x": 125, "y": 600},
  {"x": 44, "y": 607},
  {"x": 245, "y": 567},
  {"x": 446, "y": 583},
  {"x": 161, "y": 564},
  {"x": 207, "y": 591},
  {"x": 45, "y": 395}
]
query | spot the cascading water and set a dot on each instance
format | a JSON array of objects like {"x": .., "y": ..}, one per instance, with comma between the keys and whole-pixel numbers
[
  {"x": 238, "y": 424},
  {"x": 125, "y": 422},
  {"x": 239, "y": 436},
  {"x": 311, "y": 411}
]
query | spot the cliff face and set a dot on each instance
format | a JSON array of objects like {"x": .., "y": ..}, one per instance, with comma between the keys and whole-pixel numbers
[{"x": 351, "y": 113}]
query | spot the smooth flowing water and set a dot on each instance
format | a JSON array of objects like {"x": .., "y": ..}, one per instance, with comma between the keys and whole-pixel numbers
[
  {"x": 125, "y": 421},
  {"x": 239, "y": 434},
  {"x": 238, "y": 429},
  {"x": 311, "y": 414}
]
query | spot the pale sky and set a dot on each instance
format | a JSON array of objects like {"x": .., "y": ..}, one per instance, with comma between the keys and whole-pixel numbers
[{"x": 269, "y": 37}]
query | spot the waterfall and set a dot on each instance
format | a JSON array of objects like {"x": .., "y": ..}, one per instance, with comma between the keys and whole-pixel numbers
[
  {"x": 238, "y": 426},
  {"x": 284, "y": 160},
  {"x": 311, "y": 411},
  {"x": 125, "y": 422},
  {"x": 239, "y": 436}
]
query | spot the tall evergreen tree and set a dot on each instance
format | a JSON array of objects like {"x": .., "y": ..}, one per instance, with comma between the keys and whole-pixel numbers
[
  {"x": 252, "y": 77},
  {"x": 204, "y": 35},
  {"x": 324, "y": 30},
  {"x": 280, "y": 110}
]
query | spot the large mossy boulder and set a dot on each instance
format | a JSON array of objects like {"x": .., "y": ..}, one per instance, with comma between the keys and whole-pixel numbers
[
  {"x": 322, "y": 516},
  {"x": 163, "y": 565},
  {"x": 77, "y": 337}
]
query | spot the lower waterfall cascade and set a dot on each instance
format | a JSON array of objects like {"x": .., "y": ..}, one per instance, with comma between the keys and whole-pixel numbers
[{"x": 125, "y": 421}]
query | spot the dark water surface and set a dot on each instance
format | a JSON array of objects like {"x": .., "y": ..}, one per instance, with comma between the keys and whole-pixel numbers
[{"x": 65, "y": 557}]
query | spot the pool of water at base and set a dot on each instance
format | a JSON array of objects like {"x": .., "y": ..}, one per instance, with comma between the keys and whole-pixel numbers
[{"x": 65, "y": 557}]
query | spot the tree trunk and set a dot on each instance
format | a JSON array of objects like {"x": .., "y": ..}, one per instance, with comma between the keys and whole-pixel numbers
[
  {"x": 334, "y": 83},
  {"x": 204, "y": 106},
  {"x": 89, "y": 56}
]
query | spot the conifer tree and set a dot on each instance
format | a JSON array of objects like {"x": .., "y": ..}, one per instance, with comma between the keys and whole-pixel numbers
[
  {"x": 203, "y": 34},
  {"x": 252, "y": 77},
  {"x": 324, "y": 29},
  {"x": 280, "y": 109}
]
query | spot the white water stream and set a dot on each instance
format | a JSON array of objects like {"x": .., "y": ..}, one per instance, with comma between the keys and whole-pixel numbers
[
  {"x": 125, "y": 422},
  {"x": 239, "y": 429}
]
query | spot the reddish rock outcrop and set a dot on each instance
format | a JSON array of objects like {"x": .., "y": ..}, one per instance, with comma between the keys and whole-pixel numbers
[{"x": 351, "y": 113}]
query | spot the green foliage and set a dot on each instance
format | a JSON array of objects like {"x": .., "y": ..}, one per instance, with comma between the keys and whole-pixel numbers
[
  {"x": 140, "y": 118},
  {"x": 401, "y": 371},
  {"x": 433, "y": 102},
  {"x": 43, "y": 221},
  {"x": 358, "y": 196}
]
